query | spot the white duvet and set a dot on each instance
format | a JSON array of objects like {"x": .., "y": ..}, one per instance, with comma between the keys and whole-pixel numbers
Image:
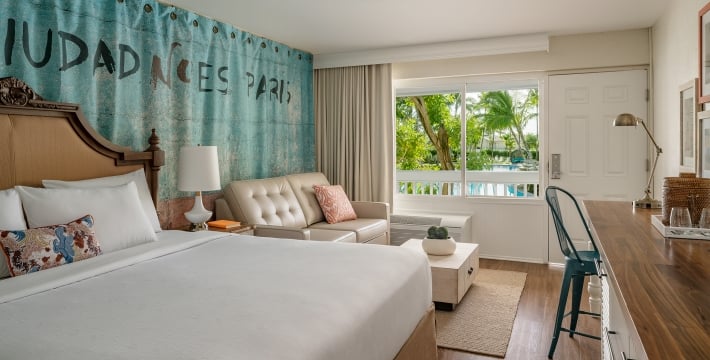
[{"x": 214, "y": 296}]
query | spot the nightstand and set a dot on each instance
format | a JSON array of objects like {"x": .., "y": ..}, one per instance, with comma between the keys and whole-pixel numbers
[{"x": 451, "y": 275}]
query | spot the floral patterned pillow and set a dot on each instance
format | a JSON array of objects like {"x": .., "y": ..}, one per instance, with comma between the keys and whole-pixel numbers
[
  {"x": 42, "y": 248},
  {"x": 334, "y": 203}
]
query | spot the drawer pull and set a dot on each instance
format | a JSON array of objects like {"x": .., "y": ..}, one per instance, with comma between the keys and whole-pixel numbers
[
  {"x": 470, "y": 270},
  {"x": 600, "y": 268}
]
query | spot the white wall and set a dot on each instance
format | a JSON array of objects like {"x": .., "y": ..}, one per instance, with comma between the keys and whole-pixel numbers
[
  {"x": 517, "y": 229},
  {"x": 675, "y": 62},
  {"x": 507, "y": 229}
]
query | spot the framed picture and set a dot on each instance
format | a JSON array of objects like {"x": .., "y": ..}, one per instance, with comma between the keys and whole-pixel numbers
[
  {"x": 704, "y": 53},
  {"x": 688, "y": 135},
  {"x": 704, "y": 144}
]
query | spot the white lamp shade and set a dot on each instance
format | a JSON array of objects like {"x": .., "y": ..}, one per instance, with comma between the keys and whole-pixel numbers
[{"x": 198, "y": 168}]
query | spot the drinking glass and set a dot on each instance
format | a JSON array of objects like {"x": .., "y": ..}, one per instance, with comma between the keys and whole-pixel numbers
[
  {"x": 704, "y": 219},
  {"x": 680, "y": 217}
]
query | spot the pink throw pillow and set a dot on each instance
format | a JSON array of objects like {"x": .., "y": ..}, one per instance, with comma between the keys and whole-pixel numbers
[{"x": 334, "y": 203}]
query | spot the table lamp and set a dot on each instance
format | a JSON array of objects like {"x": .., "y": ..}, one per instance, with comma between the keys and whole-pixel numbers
[
  {"x": 198, "y": 170},
  {"x": 647, "y": 201}
]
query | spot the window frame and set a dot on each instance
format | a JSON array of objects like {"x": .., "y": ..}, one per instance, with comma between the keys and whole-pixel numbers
[{"x": 464, "y": 84}]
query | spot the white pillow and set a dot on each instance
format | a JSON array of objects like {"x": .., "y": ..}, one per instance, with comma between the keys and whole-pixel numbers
[
  {"x": 137, "y": 176},
  {"x": 118, "y": 215},
  {"x": 11, "y": 218}
]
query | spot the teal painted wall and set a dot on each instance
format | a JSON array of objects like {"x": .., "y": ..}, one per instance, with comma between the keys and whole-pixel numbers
[{"x": 136, "y": 65}]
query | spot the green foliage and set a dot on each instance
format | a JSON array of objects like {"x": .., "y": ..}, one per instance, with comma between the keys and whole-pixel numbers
[
  {"x": 438, "y": 232},
  {"x": 404, "y": 109},
  {"x": 531, "y": 141},
  {"x": 439, "y": 108},
  {"x": 497, "y": 109},
  {"x": 412, "y": 146},
  {"x": 475, "y": 130},
  {"x": 509, "y": 141},
  {"x": 418, "y": 188},
  {"x": 501, "y": 111},
  {"x": 428, "y": 129},
  {"x": 479, "y": 160}
]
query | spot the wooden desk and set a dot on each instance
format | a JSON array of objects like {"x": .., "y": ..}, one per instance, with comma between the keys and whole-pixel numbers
[{"x": 663, "y": 285}]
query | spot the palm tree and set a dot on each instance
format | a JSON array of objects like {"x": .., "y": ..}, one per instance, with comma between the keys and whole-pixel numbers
[
  {"x": 500, "y": 111},
  {"x": 497, "y": 111}
]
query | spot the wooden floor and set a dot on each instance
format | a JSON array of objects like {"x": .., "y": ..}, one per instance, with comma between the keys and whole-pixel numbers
[{"x": 532, "y": 330}]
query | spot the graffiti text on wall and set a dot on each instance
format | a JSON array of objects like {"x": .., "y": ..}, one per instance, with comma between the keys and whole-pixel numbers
[{"x": 76, "y": 51}]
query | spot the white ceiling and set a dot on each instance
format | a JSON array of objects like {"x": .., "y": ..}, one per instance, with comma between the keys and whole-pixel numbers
[{"x": 337, "y": 26}]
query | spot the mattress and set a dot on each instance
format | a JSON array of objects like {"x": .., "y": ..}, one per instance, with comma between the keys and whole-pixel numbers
[{"x": 212, "y": 295}]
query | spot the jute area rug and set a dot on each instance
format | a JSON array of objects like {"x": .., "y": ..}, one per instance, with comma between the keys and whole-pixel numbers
[{"x": 483, "y": 321}]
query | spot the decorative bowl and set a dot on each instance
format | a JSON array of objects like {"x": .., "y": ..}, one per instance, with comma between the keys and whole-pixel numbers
[{"x": 439, "y": 246}]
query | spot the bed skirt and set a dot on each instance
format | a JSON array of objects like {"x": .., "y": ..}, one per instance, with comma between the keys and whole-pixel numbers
[{"x": 421, "y": 345}]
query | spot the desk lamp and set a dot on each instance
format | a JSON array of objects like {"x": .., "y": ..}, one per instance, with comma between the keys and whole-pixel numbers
[{"x": 647, "y": 201}]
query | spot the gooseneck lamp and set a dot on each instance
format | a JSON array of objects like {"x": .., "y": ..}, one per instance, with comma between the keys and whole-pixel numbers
[{"x": 647, "y": 201}]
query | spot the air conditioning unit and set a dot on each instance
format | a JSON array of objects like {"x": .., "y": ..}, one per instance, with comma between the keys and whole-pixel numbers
[{"x": 414, "y": 226}]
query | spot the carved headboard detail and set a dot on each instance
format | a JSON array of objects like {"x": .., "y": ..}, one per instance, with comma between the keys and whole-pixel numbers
[{"x": 41, "y": 139}]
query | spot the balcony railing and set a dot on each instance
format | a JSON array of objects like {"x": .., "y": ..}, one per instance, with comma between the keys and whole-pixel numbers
[{"x": 478, "y": 183}]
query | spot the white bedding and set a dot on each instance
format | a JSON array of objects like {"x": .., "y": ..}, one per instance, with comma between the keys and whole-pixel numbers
[{"x": 214, "y": 296}]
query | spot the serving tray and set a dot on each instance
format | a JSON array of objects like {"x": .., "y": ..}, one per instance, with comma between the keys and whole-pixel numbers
[{"x": 679, "y": 232}]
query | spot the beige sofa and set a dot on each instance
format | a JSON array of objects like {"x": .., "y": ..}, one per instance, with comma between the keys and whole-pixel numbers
[{"x": 286, "y": 207}]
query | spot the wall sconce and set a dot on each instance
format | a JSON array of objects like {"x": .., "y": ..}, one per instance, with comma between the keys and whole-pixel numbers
[
  {"x": 198, "y": 170},
  {"x": 647, "y": 201}
]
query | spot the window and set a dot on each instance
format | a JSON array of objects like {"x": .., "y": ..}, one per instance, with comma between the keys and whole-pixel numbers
[{"x": 495, "y": 134}]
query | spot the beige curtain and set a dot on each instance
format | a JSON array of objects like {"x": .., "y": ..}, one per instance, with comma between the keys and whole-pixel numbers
[{"x": 354, "y": 136}]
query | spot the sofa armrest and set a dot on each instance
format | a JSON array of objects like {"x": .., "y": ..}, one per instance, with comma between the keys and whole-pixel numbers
[
  {"x": 282, "y": 232},
  {"x": 221, "y": 209},
  {"x": 372, "y": 210}
]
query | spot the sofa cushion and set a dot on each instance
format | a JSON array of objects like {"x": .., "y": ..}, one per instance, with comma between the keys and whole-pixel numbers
[
  {"x": 365, "y": 229},
  {"x": 264, "y": 201},
  {"x": 302, "y": 185},
  {"x": 333, "y": 235}
]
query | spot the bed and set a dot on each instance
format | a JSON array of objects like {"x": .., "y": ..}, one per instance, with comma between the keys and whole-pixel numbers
[{"x": 176, "y": 294}]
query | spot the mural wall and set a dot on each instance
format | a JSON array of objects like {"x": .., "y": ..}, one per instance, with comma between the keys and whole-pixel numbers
[{"x": 136, "y": 65}]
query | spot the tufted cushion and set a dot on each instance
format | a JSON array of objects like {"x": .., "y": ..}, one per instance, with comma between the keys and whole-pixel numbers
[
  {"x": 302, "y": 185},
  {"x": 42, "y": 248},
  {"x": 264, "y": 201},
  {"x": 334, "y": 203}
]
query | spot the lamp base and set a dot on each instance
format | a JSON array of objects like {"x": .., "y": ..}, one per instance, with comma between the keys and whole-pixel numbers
[
  {"x": 197, "y": 226},
  {"x": 648, "y": 203},
  {"x": 198, "y": 215}
]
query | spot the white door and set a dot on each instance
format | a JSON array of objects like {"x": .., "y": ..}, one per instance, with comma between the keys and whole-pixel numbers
[{"x": 597, "y": 161}]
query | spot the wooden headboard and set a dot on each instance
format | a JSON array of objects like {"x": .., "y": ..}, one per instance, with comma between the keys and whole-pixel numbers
[{"x": 48, "y": 140}]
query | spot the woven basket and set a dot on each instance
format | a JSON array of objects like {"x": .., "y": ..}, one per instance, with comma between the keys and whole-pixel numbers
[{"x": 687, "y": 191}]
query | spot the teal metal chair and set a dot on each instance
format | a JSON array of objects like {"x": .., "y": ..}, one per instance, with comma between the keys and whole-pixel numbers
[{"x": 578, "y": 265}]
